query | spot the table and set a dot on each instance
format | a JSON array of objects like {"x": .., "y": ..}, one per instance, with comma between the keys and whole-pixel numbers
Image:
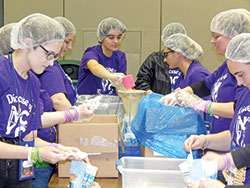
[{"x": 57, "y": 182}]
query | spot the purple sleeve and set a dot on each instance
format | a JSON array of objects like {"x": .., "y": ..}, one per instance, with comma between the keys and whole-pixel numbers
[
  {"x": 52, "y": 81},
  {"x": 123, "y": 67},
  {"x": 211, "y": 79},
  {"x": 88, "y": 55}
]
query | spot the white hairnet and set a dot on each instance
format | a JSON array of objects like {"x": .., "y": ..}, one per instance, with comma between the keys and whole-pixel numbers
[
  {"x": 171, "y": 29},
  {"x": 106, "y": 25},
  {"x": 231, "y": 22},
  {"x": 36, "y": 29},
  {"x": 68, "y": 26},
  {"x": 238, "y": 49},
  {"x": 5, "y": 38},
  {"x": 185, "y": 45}
]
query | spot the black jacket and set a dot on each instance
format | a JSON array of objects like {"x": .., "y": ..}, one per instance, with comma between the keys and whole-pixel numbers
[{"x": 153, "y": 75}]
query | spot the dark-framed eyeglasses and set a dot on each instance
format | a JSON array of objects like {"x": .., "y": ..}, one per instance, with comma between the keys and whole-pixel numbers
[
  {"x": 50, "y": 54},
  {"x": 166, "y": 53}
]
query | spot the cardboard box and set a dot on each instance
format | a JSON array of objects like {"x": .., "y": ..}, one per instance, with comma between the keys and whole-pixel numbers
[
  {"x": 98, "y": 136},
  {"x": 146, "y": 152}
]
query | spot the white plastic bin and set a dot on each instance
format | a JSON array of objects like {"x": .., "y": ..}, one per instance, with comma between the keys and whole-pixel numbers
[{"x": 147, "y": 172}]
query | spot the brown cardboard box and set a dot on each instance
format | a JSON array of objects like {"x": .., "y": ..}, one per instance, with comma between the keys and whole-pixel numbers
[
  {"x": 146, "y": 152},
  {"x": 98, "y": 136}
]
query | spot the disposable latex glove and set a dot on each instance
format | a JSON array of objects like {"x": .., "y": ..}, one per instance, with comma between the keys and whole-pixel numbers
[
  {"x": 188, "y": 100},
  {"x": 170, "y": 99},
  {"x": 116, "y": 79},
  {"x": 85, "y": 112}
]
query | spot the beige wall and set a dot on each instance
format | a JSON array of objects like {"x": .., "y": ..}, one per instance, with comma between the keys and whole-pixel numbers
[{"x": 144, "y": 21}]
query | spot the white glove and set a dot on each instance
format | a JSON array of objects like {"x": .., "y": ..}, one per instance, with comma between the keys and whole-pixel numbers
[
  {"x": 116, "y": 79},
  {"x": 170, "y": 99},
  {"x": 189, "y": 100},
  {"x": 186, "y": 99},
  {"x": 85, "y": 112}
]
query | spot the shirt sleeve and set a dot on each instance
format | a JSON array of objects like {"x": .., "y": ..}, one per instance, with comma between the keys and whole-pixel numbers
[
  {"x": 241, "y": 157},
  {"x": 52, "y": 81},
  {"x": 200, "y": 89},
  {"x": 145, "y": 74}
]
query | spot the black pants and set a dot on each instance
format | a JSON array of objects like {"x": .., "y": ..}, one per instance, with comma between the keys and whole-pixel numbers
[{"x": 9, "y": 170}]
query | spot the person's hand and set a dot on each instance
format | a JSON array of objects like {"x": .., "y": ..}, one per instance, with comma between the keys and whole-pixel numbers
[
  {"x": 195, "y": 142},
  {"x": 85, "y": 111},
  {"x": 209, "y": 183},
  {"x": 73, "y": 153},
  {"x": 116, "y": 79},
  {"x": 51, "y": 154},
  {"x": 188, "y": 100},
  {"x": 170, "y": 99},
  {"x": 212, "y": 156}
]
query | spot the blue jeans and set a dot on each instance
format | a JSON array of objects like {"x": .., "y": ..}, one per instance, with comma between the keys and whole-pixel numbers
[{"x": 42, "y": 177}]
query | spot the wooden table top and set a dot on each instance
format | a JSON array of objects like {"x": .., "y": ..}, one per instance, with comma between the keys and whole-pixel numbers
[{"x": 57, "y": 182}]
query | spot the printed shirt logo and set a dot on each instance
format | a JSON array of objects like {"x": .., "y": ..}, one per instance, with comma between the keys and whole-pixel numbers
[
  {"x": 106, "y": 85},
  {"x": 16, "y": 119},
  {"x": 216, "y": 87},
  {"x": 241, "y": 125}
]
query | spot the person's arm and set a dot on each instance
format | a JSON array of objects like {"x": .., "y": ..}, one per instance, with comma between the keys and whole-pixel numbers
[
  {"x": 220, "y": 141},
  {"x": 101, "y": 72},
  {"x": 60, "y": 102},
  {"x": 225, "y": 110},
  {"x": 10, "y": 151},
  {"x": 200, "y": 89},
  {"x": 145, "y": 74},
  {"x": 98, "y": 70},
  {"x": 52, "y": 118},
  {"x": 241, "y": 157}
]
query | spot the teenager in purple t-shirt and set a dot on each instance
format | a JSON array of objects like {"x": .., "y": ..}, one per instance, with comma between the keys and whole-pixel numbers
[
  {"x": 154, "y": 74},
  {"x": 238, "y": 61},
  {"x": 61, "y": 92},
  {"x": 182, "y": 52},
  {"x": 36, "y": 41},
  {"x": 221, "y": 85},
  {"x": 104, "y": 63}
]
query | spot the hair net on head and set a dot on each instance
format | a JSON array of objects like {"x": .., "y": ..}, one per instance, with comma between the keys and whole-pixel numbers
[
  {"x": 231, "y": 22},
  {"x": 68, "y": 26},
  {"x": 238, "y": 49},
  {"x": 36, "y": 29},
  {"x": 5, "y": 38},
  {"x": 185, "y": 45},
  {"x": 171, "y": 29},
  {"x": 108, "y": 24}
]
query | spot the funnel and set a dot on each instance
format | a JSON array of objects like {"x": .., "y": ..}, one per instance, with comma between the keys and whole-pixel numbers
[{"x": 130, "y": 100}]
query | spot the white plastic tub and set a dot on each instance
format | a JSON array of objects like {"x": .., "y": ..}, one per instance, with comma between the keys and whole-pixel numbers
[{"x": 145, "y": 172}]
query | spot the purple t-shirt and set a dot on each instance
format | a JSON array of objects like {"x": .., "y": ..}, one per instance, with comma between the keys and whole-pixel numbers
[
  {"x": 54, "y": 80},
  {"x": 222, "y": 85},
  {"x": 89, "y": 84},
  {"x": 195, "y": 73},
  {"x": 240, "y": 125},
  {"x": 11, "y": 124},
  {"x": 174, "y": 75}
]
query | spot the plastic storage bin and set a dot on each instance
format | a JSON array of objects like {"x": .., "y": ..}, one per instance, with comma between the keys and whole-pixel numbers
[{"x": 146, "y": 172}]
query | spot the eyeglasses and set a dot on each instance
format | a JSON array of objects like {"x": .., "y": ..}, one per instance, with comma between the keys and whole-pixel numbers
[
  {"x": 50, "y": 54},
  {"x": 166, "y": 53}
]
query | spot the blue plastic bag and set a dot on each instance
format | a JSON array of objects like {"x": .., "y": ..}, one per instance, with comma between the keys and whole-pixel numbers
[{"x": 165, "y": 128}]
